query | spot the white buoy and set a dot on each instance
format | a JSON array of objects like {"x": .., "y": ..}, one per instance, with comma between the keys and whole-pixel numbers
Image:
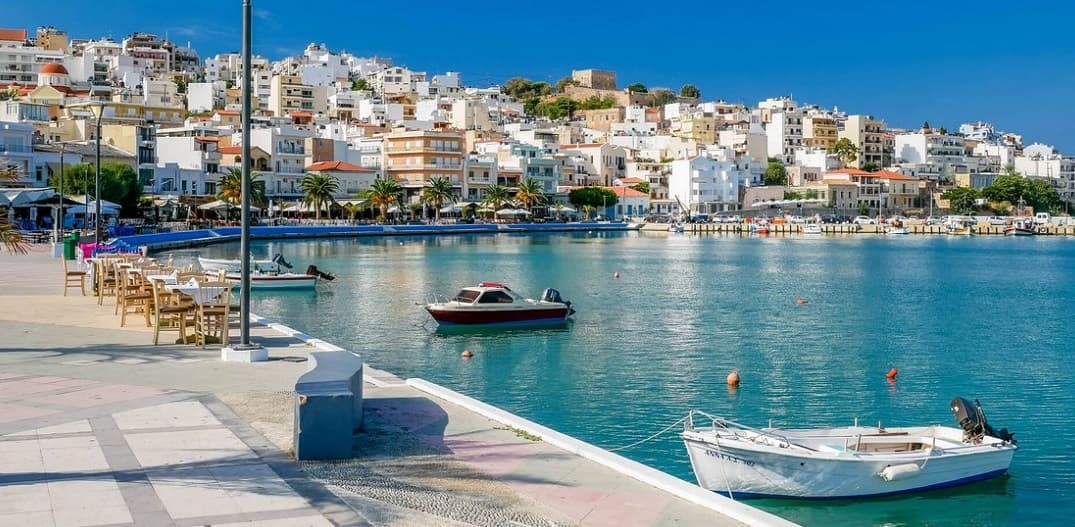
[{"x": 898, "y": 472}]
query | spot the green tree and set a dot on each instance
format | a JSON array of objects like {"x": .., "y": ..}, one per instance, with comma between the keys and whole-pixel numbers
[
  {"x": 846, "y": 151},
  {"x": 871, "y": 167},
  {"x": 775, "y": 174},
  {"x": 1008, "y": 187},
  {"x": 496, "y": 196},
  {"x": 690, "y": 90},
  {"x": 593, "y": 197},
  {"x": 558, "y": 108},
  {"x": 231, "y": 184},
  {"x": 962, "y": 199},
  {"x": 530, "y": 193},
  {"x": 119, "y": 184},
  {"x": 1043, "y": 196},
  {"x": 597, "y": 103},
  {"x": 521, "y": 88},
  {"x": 641, "y": 187},
  {"x": 318, "y": 190},
  {"x": 562, "y": 84},
  {"x": 360, "y": 85},
  {"x": 382, "y": 194},
  {"x": 662, "y": 97},
  {"x": 864, "y": 209},
  {"x": 436, "y": 193},
  {"x": 180, "y": 85},
  {"x": 637, "y": 87}
]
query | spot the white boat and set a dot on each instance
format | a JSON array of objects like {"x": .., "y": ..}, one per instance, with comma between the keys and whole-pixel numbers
[
  {"x": 212, "y": 265},
  {"x": 1021, "y": 227},
  {"x": 675, "y": 227},
  {"x": 276, "y": 280},
  {"x": 812, "y": 229},
  {"x": 849, "y": 462},
  {"x": 496, "y": 303}
]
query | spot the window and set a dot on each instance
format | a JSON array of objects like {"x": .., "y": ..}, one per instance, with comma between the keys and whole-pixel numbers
[{"x": 495, "y": 297}]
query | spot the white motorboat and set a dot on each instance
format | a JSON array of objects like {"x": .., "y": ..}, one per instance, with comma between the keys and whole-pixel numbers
[
  {"x": 276, "y": 280},
  {"x": 265, "y": 274},
  {"x": 849, "y": 462},
  {"x": 212, "y": 265},
  {"x": 812, "y": 229},
  {"x": 496, "y": 303},
  {"x": 675, "y": 227}
]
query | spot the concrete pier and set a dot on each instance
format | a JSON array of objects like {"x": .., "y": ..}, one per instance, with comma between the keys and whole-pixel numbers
[
  {"x": 981, "y": 229},
  {"x": 99, "y": 427}
]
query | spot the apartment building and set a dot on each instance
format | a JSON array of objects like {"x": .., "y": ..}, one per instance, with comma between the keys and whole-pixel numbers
[
  {"x": 413, "y": 157},
  {"x": 287, "y": 94},
  {"x": 867, "y": 134},
  {"x": 605, "y": 162},
  {"x": 819, "y": 130}
]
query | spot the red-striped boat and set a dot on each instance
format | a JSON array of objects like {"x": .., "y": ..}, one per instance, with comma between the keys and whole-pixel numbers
[{"x": 496, "y": 303}]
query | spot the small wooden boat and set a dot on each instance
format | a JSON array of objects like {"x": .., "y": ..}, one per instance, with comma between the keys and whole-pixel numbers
[{"x": 849, "y": 462}]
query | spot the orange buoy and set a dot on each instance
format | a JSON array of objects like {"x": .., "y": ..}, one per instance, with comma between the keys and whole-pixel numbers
[
  {"x": 800, "y": 301},
  {"x": 467, "y": 354},
  {"x": 616, "y": 274},
  {"x": 733, "y": 378},
  {"x": 891, "y": 375}
]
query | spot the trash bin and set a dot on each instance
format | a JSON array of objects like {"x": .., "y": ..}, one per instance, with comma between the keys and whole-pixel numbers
[{"x": 70, "y": 242}]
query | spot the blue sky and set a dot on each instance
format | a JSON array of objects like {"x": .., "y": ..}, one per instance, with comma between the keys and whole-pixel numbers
[{"x": 1011, "y": 63}]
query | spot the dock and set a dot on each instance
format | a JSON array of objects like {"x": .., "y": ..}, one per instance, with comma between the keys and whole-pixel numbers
[{"x": 981, "y": 229}]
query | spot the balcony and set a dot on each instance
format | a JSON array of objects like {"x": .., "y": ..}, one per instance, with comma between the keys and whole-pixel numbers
[{"x": 291, "y": 150}]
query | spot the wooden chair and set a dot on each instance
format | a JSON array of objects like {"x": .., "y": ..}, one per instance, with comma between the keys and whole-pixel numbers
[
  {"x": 104, "y": 272},
  {"x": 211, "y": 318},
  {"x": 132, "y": 299},
  {"x": 73, "y": 278},
  {"x": 170, "y": 313}
]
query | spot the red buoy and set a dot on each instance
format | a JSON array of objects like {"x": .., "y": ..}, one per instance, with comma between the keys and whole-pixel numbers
[
  {"x": 891, "y": 375},
  {"x": 733, "y": 378}
]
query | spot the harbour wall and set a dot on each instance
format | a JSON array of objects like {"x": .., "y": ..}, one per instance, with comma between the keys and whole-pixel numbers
[
  {"x": 202, "y": 237},
  {"x": 982, "y": 229}
]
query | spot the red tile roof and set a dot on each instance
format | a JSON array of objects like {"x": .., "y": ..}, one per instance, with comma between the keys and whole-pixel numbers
[
  {"x": 13, "y": 34},
  {"x": 894, "y": 176},
  {"x": 227, "y": 112},
  {"x": 231, "y": 149},
  {"x": 850, "y": 171},
  {"x": 301, "y": 114},
  {"x": 632, "y": 180},
  {"x": 336, "y": 166},
  {"x": 627, "y": 192},
  {"x": 838, "y": 182}
]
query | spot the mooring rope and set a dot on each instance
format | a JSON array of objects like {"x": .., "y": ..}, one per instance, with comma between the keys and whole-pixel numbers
[{"x": 650, "y": 438}]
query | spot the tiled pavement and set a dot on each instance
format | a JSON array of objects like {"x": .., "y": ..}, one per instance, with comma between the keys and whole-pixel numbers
[{"x": 83, "y": 453}]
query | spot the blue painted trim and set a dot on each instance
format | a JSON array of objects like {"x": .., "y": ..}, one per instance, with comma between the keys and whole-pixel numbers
[
  {"x": 535, "y": 322},
  {"x": 954, "y": 483},
  {"x": 223, "y": 234}
]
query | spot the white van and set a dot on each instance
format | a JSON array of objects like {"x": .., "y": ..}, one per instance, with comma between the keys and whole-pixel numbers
[{"x": 1042, "y": 218}]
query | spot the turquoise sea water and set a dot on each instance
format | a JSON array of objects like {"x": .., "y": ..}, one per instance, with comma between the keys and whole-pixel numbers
[{"x": 986, "y": 318}]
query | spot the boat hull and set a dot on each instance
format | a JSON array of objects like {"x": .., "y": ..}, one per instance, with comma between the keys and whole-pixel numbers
[
  {"x": 898, "y": 230},
  {"x": 1018, "y": 232},
  {"x": 464, "y": 316},
  {"x": 752, "y": 474},
  {"x": 212, "y": 265},
  {"x": 285, "y": 281}
]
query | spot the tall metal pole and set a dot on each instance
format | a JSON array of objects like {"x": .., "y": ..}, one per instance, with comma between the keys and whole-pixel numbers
[
  {"x": 244, "y": 237},
  {"x": 59, "y": 236},
  {"x": 97, "y": 182}
]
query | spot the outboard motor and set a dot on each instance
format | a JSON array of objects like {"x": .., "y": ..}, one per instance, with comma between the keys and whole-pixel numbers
[
  {"x": 971, "y": 419},
  {"x": 314, "y": 271},
  {"x": 551, "y": 295},
  {"x": 278, "y": 259}
]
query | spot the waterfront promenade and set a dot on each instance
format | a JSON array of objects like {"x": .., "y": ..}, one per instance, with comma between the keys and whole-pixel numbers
[{"x": 98, "y": 427}]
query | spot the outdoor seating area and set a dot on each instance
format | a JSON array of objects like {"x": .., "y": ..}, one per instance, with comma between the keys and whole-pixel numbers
[{"x": 158, "y": 294}]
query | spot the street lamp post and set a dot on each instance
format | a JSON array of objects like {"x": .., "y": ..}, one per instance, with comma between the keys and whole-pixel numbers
[
  {"x": 97, "y": 180},
  {"x": 59, "y": 229}
]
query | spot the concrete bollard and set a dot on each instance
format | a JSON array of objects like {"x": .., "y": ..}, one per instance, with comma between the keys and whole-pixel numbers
[{"x": 328, "y": 405}]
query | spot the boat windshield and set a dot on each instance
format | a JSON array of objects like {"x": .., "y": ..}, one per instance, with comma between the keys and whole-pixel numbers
[
  {"x": 466, "y": 296},
  {"x": 495, "y": 297}
]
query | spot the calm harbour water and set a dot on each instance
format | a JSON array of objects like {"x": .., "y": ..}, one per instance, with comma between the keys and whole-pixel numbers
[{"x": 981, "y": 317}]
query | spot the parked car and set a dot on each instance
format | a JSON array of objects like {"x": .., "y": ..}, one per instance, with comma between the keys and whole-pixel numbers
[
  {"x": 836, "y": 218},
  {"x": 732, "y": 218},
  {"x": 934, "y": 220},
  {"x": 864, "y": 220},
  {"x": 797, "y": 220},
  {"x": 997, "y": 220}
]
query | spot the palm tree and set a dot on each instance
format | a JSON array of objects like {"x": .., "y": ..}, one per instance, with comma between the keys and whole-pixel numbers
[
  {"x": 496, "y": 196},
  {"x": 383, "y": 193},
  {"x": 318, "y": 190},
  {"x": 9, "y": 237},
  {"x": 230, "y": 188},
  {"x": 530, "y": 193},
  {"x": 438, "y": 192}
]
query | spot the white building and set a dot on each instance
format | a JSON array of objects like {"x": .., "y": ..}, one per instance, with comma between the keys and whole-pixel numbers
[
  {"x": 17, "y": 152},
  {"x": 784, "y": 133},
  {"x": 945, "y": 152},
  {"x": 172, "y": 179},
  {"x": 286, "y": 146},
  {"x": 227, "y": 67},
  {"x": 21, "y": 64},
  {"x": 1045, "y": 162},
  {"x": 395, "y": 81},
  {"x": 705, "y": 184}
]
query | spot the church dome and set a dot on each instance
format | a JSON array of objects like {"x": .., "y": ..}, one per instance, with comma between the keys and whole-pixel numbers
[{"x": 54, "y": 68}]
